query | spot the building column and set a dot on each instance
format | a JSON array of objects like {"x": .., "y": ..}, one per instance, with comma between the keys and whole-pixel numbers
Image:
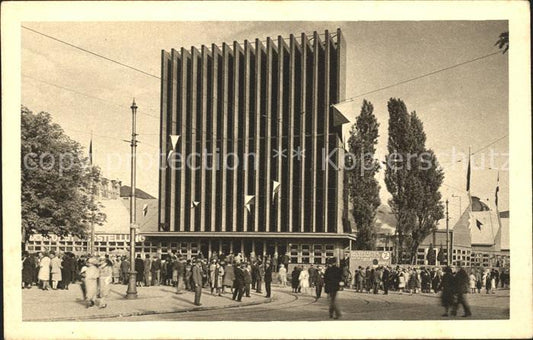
[
  {"x": 264, "y": 249},
  {"x": 209, "y": 249},
  {"x": 219, "y": 246},
  {"x": 242, "y": 248},
  {"x": 231, "y": 246}
]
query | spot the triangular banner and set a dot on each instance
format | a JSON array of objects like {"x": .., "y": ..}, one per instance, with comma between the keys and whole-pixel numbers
[
  {"x": 145, "y": 209},
  {"x": 275, "y": 189},
  {"x": 341, "y": 112},
  {"x": 248, "y": 201},
  {"x": 194, "y": 204},
  {"x": 174, "y": 140}
]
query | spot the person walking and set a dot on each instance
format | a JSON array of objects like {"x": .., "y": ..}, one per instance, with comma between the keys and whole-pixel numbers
[
  {"x": 105, "y": 278},
  {"x": 472, "y": 278},
  {"x": 219, "y": 278},
  {"x": 68, "y": 269},
  {"x": 332, "y": 279},
  {"x": 295, "y": 279},
  {"x": 181, "y": 269},
  {"x": 28, "y": 269},
  {"x": 197, "y": 277},
  {"x": 124, "y": 269},
  {"x": 238, "y": 283},
  {"x": 260, "y": 277},
  {"x": 447, "y": 288},
  {"x": 304, "y": 280},
  {"x": 115, "y": 270},
  {"x": 139, "y": 268},
  {"x": 147, "y": 270},
  {"x": 385, "y": 280},
  {"x": 312, "y": 275},
  {"x": 55, "y": 269},
  {"x": 91, "y": 281},
  {"x": 461, "y": 283},
  {"x": 359, "y": 279},
  {"x": 156, "y": 271},
  {"x": 282, "y": 275},
  {"x": 247, "y": 279},
  {"x": 268, "y": 278},
  {"x": 319, "y": 282},
  {"x": 229, "y": 277}
]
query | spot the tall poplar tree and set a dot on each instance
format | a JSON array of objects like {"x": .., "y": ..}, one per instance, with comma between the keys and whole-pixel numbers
[
  {"x": 413, "y": 177},
  {"x": 363, "y": 188}
]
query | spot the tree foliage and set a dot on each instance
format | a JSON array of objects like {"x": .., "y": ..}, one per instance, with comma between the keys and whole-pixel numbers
[
  {"x": 363, "y": 188},
  {"x": 413, "y": 177},
  {"x": 56, "y": 180},
  {"x": 503, "y": 42}
]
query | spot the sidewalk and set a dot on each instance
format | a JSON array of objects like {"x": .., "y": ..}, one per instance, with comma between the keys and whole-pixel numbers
[{"x": 68, "y": 305}]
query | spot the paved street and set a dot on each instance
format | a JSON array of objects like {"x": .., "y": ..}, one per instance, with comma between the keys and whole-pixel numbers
[
  {"x": 161, "y": 303},
  {"x": 299, "y": 307},
  {"x": 67, "y": 305}
]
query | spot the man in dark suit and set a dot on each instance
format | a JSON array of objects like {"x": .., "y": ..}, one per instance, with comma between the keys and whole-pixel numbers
[
  {"x": 197, "y": 277},
  {"x": 460, "y": 288},
  {"x": 332, "y": 279},
  {"x": 247, "y": 280},
  {"x": 268, "y": 278},
  {"x": 260, "y": 276},
  {"x": 139, "y": 268},
  {"x": 386, "y": 274},
  {"x": 238, "y": 283}
]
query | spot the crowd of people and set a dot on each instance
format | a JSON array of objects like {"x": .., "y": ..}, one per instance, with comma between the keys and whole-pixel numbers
[{"x": 239, "y": 275}]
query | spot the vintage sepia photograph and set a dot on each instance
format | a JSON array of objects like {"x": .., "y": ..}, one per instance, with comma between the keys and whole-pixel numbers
[{"x": 266, "y": 170}]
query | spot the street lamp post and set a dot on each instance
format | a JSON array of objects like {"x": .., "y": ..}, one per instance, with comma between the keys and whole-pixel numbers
[
  {"x": 460, "y": 205},
  {"x": 132, "y": 282},
  {"x": 447, "y": 236}
]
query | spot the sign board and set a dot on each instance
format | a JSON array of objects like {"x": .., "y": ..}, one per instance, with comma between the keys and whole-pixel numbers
[
  {"x": 369, "y": 258},
  {"x": 97, "y": 238}
]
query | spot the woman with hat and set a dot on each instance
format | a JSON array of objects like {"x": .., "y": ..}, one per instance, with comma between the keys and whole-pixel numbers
[{"x": 105, "y": 279}]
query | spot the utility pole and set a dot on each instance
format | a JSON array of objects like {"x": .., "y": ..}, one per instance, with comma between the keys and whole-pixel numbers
[
  {"x": 132, "y": 282},
  {"x": 447, "y": 236}
]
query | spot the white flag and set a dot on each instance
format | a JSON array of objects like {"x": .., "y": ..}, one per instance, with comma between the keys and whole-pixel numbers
[
  {"x": 248, "y": 201},
  {"x": 194, "y": 204},
  {"x": 174, "y": 140},
  {"x": 145, "y": 209},
  {"x": 275, "y": 189}
]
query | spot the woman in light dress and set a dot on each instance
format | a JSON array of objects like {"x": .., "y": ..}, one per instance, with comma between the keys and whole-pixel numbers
[
  {"x": 44, "y": 272},
  {"x": 105, "y": 279},
  {"x": 55, "y": 269},
  {"x": 283, "y": 275},
  {"x": 304, "y": 279},
  {"x": 472, "y": 283}
]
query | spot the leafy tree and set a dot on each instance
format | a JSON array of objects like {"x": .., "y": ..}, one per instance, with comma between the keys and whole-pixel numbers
[
  {"x": 363, "y": 188},
  {"x": 503, "y": 42},
  {"x": 56, "y": 180},
  {"x": 413, "y": 177}
]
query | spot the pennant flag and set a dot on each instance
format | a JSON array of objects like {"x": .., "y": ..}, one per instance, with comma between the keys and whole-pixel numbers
[
  {"x": 145, "y": 209},
  {"x": 340, "y": 113},
  {"x": 91, "y": 151},
  {"x": 248, "y": 201},
  {"x": 194, "y": 204},
  {"x": 478, "y": 224},
  {"x": 275, "y": 189},
  {"x": 497, "y": 189},
  {"x": 468, "y": 175},
  {"x": 174, "y": 140}
]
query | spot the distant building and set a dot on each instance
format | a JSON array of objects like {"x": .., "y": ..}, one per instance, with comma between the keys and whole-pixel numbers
[
  {"x": 113, "y": 236},
  {"x": 479, "y": 238}
]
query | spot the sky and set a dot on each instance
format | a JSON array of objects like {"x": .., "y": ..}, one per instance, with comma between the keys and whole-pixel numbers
[{"x": 462, "y": 107}]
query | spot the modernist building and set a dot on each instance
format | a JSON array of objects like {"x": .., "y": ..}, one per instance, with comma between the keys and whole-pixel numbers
[{"x": 252, "y": 148}]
